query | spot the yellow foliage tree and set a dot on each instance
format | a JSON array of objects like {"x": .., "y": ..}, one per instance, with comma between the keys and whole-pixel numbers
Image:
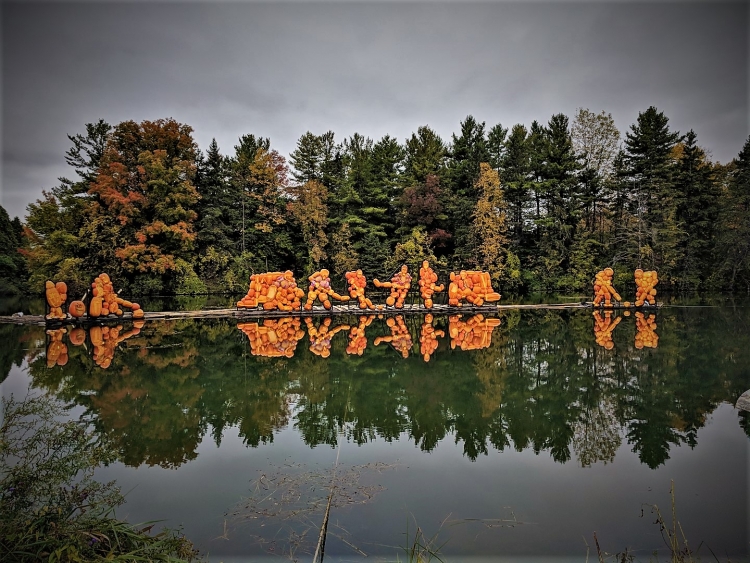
[{"x": 490, "y": 226}]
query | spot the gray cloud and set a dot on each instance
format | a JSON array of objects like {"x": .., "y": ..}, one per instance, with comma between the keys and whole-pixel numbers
[{"x": 279, "y": 70}]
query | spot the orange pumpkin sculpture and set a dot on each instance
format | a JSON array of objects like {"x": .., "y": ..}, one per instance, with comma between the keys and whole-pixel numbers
[
  {"x": 320, "y": 337},
  {"x": 105, "y": 301},
  {"x": 645, "y": 336},
  {"x": 57, "y": 351},
  {"x": 472, "y": 334},
  {"x": 427, "y": 284},
  {"x": 603, "y": 290},
  {"x": 645, "y": 287},
  {"x": 77, "y": 309},
  {"x": 320, "y": 288},
  {"x": 400, "y": 337},
  {"x": 56, "y": 294},
  {"x": 603, "y": 327},
  {"x": 272, "y": 290},
  {"x": 106, "y": 339},
  {"x": 275, "y": 338},
  {"x": 357, "y": 283},
  {"x": 475, "y": 287},
  {"x": 357, "y": 337},
  {"x": 428, "y": 338},
  {"x": 399, "y": 286}
]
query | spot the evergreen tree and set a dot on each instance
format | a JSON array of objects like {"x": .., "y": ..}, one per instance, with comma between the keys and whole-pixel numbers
[
  {"x": 650, "y": 170},
  {"x": 12, "y": 264},
  {"x": 219, "y": 203},
  {"x": 734, "y": 242},
  {"x": 515, "y": 170},
  {"x": 467, "y": 152},
  {"x": 697, "y": 212},
  {"x": 425, "y": 154}
]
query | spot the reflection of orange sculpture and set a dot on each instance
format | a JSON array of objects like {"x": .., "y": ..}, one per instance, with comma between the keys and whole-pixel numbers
[
  {"x": 399, "y": 286},
  {"x": 105, "y": 340},
  {"x": 472, "y": 286},
  {"x": 428, "y": 338},
  {"x": 603, "y": 289},
  {"x": 427, "y": 287},
  {"x": 57, "y": 351},
  {"x": 473, "y": 334},
  {"x": 320, "y": 337},
  {"x": 320, "y": 288},
  {"x": 646, "y": 336},
  {"x": 275, "y": 338},
  {"x": 357, "y": 283},
  {"x": 272, "y": 290},
  {"x": 603, "y": 328},
  {"x": 400, "y": 337},
  {"x": 57, "y": 294},
  {"x": 357, "y": 338},
  {"x": 645, "y": 291}
]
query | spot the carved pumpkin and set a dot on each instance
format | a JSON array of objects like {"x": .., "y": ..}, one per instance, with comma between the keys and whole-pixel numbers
[
  {"x": 77, "y": 336},
  {"x": 77, "y": 309},
  {"x": 95, "y": 308}
]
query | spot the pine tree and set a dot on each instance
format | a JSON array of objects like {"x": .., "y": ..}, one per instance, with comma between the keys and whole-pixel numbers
[
  {"x": 653, "y": 201},
  {"x": 697, "y": 212}
]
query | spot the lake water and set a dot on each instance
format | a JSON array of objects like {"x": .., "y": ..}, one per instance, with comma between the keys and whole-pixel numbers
[{"x": 518, "y": 437}]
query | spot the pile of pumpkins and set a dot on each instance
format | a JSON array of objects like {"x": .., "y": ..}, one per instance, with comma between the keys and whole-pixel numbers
[
  {"x": 603, "y": 290},
  {"x": 320, "y": 288},
  {"x": 428, "y": 336},
  {"x": 399, "y": 286},
  {"x": 274, "y": 338},
  {"x": 474, "y": 287},
  {"x": 473, "y": 334},
  {"x": 272, "y": 290},
  {"x": 320, "y": 336},
  {"x": 646, "y": 336},
  {"x": 428, "y": 284},
  {"x": 357, "y": 337},
  {"x": 603, "y": 327},
  {"x": 400, "y": 337},
  {"x": 645, "y": 287},
  {"x": 104, "y": 301},
  {"x": 106, "y": 339},
  {"x": 357, "y": 283},
  {"x": 57, "y": 351}
]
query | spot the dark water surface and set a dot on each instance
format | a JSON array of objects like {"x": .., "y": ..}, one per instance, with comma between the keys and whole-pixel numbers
[{"x": 542, "y": 430}]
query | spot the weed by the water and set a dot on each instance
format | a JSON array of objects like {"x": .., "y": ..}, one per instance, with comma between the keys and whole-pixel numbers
[{"x": 52, "y": 509}]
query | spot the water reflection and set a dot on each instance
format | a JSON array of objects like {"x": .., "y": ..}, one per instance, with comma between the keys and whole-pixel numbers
[{"x": 538, "y": 380}]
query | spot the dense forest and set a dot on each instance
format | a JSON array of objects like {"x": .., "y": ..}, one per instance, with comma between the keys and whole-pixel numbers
[{"x": 541, "y": 207}]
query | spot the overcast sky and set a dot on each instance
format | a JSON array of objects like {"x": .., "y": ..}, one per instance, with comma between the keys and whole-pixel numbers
[{"x": 281, "y": 69}]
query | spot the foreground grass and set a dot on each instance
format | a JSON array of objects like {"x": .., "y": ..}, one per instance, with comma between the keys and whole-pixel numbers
[{"x": 51, "y": 508}]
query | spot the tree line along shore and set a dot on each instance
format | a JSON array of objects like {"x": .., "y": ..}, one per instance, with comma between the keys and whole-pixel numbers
[{"x": 542, "y": 208}]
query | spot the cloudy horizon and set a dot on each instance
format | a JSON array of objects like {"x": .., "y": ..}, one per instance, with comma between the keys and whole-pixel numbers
[{"x": 279, "y": 70}]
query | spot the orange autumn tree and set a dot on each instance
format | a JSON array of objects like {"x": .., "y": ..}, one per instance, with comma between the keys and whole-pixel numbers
[{"x": 142, "y": 217}]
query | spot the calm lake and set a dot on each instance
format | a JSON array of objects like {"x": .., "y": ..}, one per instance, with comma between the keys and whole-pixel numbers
[{"x": 509, "y": 437}]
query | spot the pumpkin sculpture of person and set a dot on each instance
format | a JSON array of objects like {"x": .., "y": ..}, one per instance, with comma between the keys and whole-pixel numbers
[
  {"x": 475, "y": 287},
  {"x": 320, "y": 337},
  {"x": 603, "y": 327},
  {"x": 428, "y": 336},
  {"x": 272, "y": 290},
  {"x": 645, "y": 292},
  {"x": 357, "y": 337},
  {"x": 57, "y": 350},
  {"x": 400, "y": 337},
  {"x": 399, "y": 286},
  {"x": 57, "y": 294},
  {"x": 603, "y": 289},
  {"x": 645, "y": 336},
  {"x": 427, "y": 284},
  {"x": 320, "y": 288},
  {"x": 357, "y": 283}
]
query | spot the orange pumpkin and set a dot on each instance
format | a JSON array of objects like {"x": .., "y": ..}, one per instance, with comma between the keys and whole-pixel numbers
[
  {"x": 77, "y": 309},
  {"x": 77, "y": 336},
  {"x": 61, "y": 287},
  {"x": 95, "y": 307},
  {"x": 138, "y": 314}
]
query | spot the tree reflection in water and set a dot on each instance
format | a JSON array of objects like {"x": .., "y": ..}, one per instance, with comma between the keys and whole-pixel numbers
[{"x": 538, "y": 380}]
